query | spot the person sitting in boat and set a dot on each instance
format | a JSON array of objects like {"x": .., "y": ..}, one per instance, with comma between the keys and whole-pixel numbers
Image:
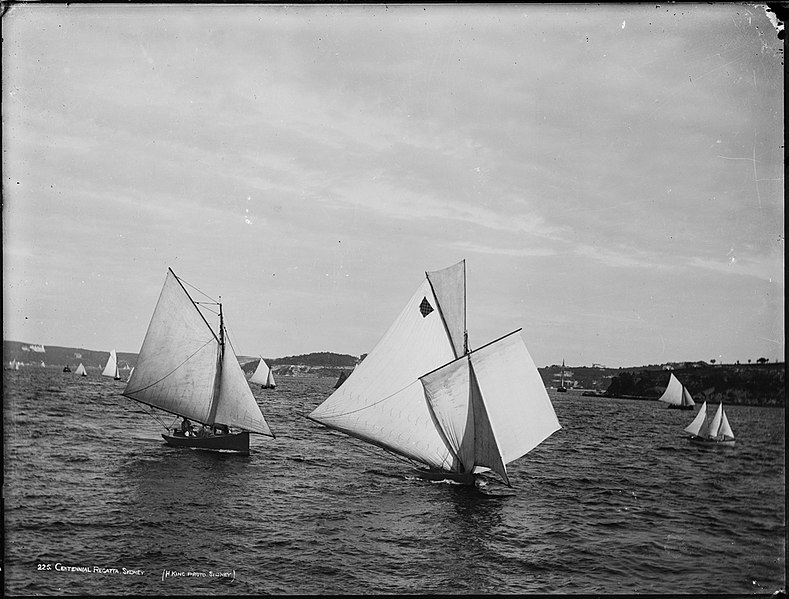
[
  {"x": 221, "y": 429},
  {"x": 186, "y": 427}
]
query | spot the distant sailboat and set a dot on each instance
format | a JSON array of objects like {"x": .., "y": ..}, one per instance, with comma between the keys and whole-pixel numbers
[
  {"x": 561, "y": 388},
  {"x": 341, "y": 379},
  {"x": 130, "y": 374},
  {"x": 714, "y": 431},
  {"x": 111, "y": 369},
  {"x": 81, "y": 370},
  {"x": 676, "y": 395},
  {"x": 423, "y": 395},
  {"x": 187, "y": 368},
  {"x": 66, "y": 368},
  {"x": 263, "y": 376},
  {"x": 14, "y": 364}
]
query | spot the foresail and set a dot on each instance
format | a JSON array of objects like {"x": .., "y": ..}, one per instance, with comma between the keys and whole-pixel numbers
[
  {"x": 725, "y": 429},
  {"x": 716, "y": 422},
  {"x": 695, "y": 427},
  {"x": 454, "y": 396},
  {"x": 449, "y": 286},
  {"x": 382, "y": 401},
  {"x": 687, "y": 400},
  {"x": 236, "y": 405},
  {"x": 177, "y": 363},
  {"x": 673, "y": 392},
  {"x": 520, "y": 411}
]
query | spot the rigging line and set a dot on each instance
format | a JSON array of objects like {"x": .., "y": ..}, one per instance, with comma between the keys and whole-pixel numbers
[
  {"x": 151, "y": 414},
  {"x": 198, "y": 290},
  {"x": 172, "y": 371}
]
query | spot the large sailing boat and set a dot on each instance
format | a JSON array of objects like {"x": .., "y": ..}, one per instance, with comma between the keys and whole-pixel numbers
[
  {"x": 187, "y": 368},
  {"x": 676, "y": 395},
  {"x": 714, "y": 431},
  {"x": 111, "y": 369},
  {"x": 421, "y": 394},
  {"x": 263, "y": 376}
]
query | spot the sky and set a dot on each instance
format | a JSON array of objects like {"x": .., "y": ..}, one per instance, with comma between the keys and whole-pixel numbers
[{"x": 611, "y": 174}]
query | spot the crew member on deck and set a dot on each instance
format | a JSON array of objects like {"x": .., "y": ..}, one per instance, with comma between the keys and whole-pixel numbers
[{"x": 186, "y": 427}]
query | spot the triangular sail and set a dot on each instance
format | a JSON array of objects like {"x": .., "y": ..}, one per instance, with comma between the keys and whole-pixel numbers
[
  {"x": 111, "y": 369},
  {"x": 712, "y": 431},
  {"x": 449, "y": 286},
  {"x": 725, "y": 429},
  {"x": 382, "y": 401},
  {"x": 236, "y": 405},
  {"x": 263, "y": 375},
  {"x": 687, "y": 400},
  {"x": 694, "y": 428},
  {"x": 130, "y": 374},
  {"x": 177, "y": 367},
  {"x": 81, "y": 370},
  {"x": 673, "y": 392}
]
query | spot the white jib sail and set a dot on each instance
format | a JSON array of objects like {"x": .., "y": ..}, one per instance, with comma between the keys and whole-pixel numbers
[
  {"x": 382, "y": 401},
  {"x": 715, "y": 425},
  {"x": 111, "y": 369},
  {"x": 514, "y": 414},
  {"x": 262, "y": 375},
  {"x": 695, "y": 427},
  {"x": 687, "y": 400},
  {"x": 673, "y": 392},
  {"x": 725, "y": 428},
  {"x": 236, "y": 405}
]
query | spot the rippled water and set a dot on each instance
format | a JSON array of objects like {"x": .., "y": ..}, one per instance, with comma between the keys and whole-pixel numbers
[{"x": 616, "y": 502}]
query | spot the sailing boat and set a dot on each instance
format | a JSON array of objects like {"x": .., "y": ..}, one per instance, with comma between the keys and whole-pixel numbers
[
  {"x": 340, "y": 379},
  {"x": 111, "y": 369},
  {"x": 676, "y": 395},
  {"x": 81, "y": 370},
  {"x": 422, "y": 395},
  {"x": 263, "y": 376},
  {"x": 131, "y": 372},
  {"x": 711, "y": 432},
  {"x": 187, "y": 368},
  {"x": 561, "y": 388}
]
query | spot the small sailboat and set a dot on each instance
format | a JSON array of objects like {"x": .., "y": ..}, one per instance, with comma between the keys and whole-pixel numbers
[
  {"x": 14, "y": 364},
  {"x": 711, "y": 432},
  {"x": 67, "y": 368},
  {"x": 423, "y": 395},
  {"x": 81, "y": 370},
  {"x": 263, "y": 376},
  {"x": 676, "y": 395},
  {"x": 130, "y": 374},
  {"x": 111, "y": 369},
  {"x": 561, "y": 388},
  {"x": 187, "y": 368},
  {"x": 340, "y": 379}
]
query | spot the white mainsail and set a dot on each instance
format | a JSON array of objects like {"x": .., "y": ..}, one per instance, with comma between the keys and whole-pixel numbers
[
  {"x": 179, "y": 363},
  {"x": 676, "y": 393},
  {"x": 263, "y": 375},
  {"x": 111, "y": 369},
  {"x": 422, "y": 395},
  {"x": 716, "y": 428},
  {"x": 81, "y": 370},
  {"x": 725, "y": 429}
]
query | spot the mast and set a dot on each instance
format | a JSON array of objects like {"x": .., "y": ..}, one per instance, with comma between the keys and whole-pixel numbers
[{"x": 220, "y": 356}]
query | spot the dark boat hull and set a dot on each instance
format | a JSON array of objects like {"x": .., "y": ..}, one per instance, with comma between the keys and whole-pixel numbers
[
  {"x": 676, "y": 407},
  {"x": 561, "y": 389},
  {"x": 232, "y": 442},
  {"x": 711, "y": 442}
]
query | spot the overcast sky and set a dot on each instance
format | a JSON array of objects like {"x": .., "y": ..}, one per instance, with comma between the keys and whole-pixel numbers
[{"x": 612, "y": 174}]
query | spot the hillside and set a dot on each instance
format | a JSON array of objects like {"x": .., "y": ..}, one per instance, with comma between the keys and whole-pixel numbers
[{"x": 757, "y": 384}]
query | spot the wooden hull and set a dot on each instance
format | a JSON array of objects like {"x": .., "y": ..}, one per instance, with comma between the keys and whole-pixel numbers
[
  {"x": 463, "y": 478},
  {"x": 676, "y": 407},
  {"x": 232, "y": 442},
  {"x": 561, "y": 389},
  {"x": 711, "y": 442}
]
